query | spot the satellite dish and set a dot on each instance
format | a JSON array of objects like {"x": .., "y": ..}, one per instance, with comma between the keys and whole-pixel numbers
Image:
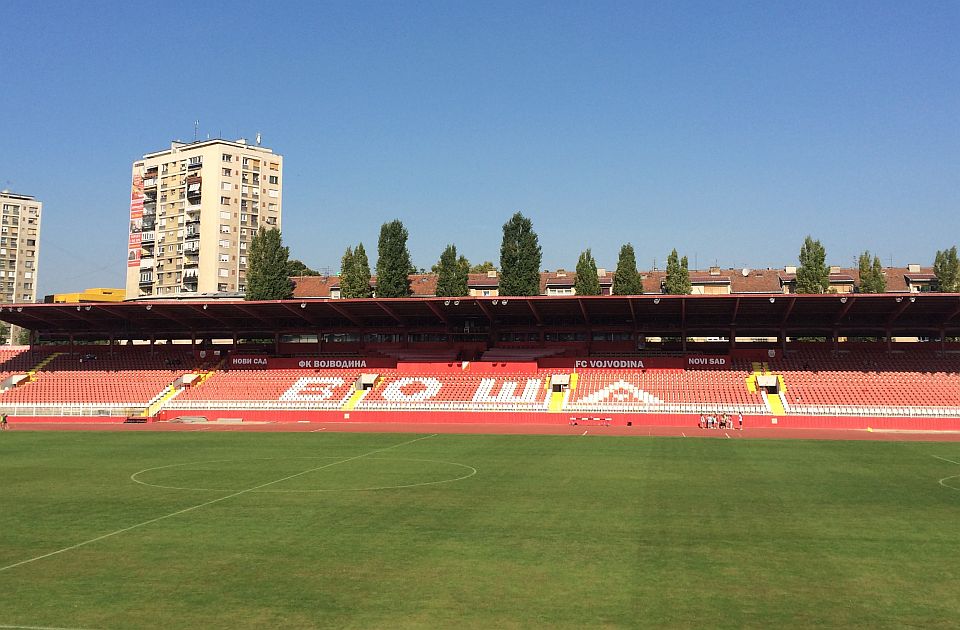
[{"x": 745, "y": 272}]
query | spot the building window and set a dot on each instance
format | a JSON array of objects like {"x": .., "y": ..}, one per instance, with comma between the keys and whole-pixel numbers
[
  {"x": 224, "y": 229},
  {"x": 227, "y": 157},
  {"x": 221, "y": 287},
  {"x": 274, "y": 194},
  {"x": 227, "y": 172},
  {"x": 225, "y": 214},
  {"x": 197, "y": 159},
  {"x": 225, "y": 201},
  {"x": 274, "y": 179},
  {"x": 226, "y": 186},
  {"x": 223, "y": 273},
  {"x": 224, "y": 257},
  {"x": 243, "y": 260}
]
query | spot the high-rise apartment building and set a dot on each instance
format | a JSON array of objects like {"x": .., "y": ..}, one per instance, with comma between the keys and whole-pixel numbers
[
  {"x": 193, "y": 210},
  {"x": 19, "y": 247}
]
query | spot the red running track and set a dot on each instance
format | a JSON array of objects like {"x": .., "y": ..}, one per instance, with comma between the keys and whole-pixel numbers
[{"x": 768, "y": 433}]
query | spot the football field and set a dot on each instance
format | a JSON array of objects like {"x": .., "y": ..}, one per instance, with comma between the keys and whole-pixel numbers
[{"x": 102, "y": 530}]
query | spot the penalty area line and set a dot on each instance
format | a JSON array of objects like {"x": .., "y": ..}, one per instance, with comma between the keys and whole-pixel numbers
[
  {"x": 38, "y": 627},
  {"x": 946, "y": 460},
  {"x": 211, "y": 502}
]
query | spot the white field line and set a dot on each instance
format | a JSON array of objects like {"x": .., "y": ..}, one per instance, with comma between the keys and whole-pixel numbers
[
  {"x": 946, "y": 460},
  {"x": 38, "y": 627},
  {"x": 211, "y": 502}
]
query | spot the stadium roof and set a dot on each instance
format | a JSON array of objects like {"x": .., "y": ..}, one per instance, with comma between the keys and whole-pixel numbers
[{"x": 665, "y": 315}]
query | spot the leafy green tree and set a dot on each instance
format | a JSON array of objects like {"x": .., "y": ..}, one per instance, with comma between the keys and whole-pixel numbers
[
  {"x": 355, "y": 274},
  {"x": 452, "y": 274},
  {"x": 813, "y": 274},
  {"x": 587, "y": 282},
  {"x": 872, "y": 279},
  {"x": 346, "y": 268},
  {"x": 677, "y": 281},
  {"x": 297, "y": 268},
  {"x": 946, "y": 268},
  {"x": 361, "y": 269},
  {"x": 626, "y": 279},
  {"x": 393, "y": 261},
  {"x": 267, "y": 260},
  {"x": 519, "y": 258},
  {"x": 483, "y": 267},
  {"x": 22, "y": 337}
]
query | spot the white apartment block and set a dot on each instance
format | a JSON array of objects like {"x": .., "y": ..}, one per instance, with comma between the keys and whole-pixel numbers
[
  {"x": 19, "y": 247},
  {"x": 193, "y": 210}
]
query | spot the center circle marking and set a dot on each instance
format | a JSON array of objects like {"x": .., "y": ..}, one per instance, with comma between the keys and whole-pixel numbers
[{"x": 471, "y": 471}]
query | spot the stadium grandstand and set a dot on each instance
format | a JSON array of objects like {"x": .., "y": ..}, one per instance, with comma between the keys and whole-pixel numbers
[{"x": 842, "y": 360}]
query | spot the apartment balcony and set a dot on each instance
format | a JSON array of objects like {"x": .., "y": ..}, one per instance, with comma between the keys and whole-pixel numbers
[
  {"x": 146, "y": 280},
  {"x": 150, "y": 183},
  {"x": 194, "y": 165},
  {"x": 148, "y": 237},
  {"x": 192, "y": 232}
]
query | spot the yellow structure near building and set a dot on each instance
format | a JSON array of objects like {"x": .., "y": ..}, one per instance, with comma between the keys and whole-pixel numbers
[{"x": 90, "y": 295}]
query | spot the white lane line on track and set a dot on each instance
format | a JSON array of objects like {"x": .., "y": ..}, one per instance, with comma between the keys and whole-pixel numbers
[
  {"x": 946, "y": 460},
  {"x": 206, "y": 503},
  {"x": 315, "y": 430},
  {"x": 728, "y": 435},
  {"x": 584, "y": 433},
  {"x": 683, "y": 434}
]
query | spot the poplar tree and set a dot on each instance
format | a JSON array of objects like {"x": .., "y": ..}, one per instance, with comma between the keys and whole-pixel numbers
[
  {"x": 346, "y": 274},
  {"x": 587, "y": 282},
  {"x": 677, "y": 281},
  {"x": 813, "y": 274},
  {"x": 946, "y": 268},
  {"x": 355, "y": 274},
  {"x": 452, "y": 273},
  {"x": 626, "y": 279},
  {"x": 267, "y": 261},
  {"x": 872, "y": 279},
  {"x": 519, "y": 258},
  {"x": 361, "y": 273},
  {"x": 393, "y": 261}
]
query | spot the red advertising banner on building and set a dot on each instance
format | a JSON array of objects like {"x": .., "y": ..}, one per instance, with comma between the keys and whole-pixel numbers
[
  {"x": 136, "y": 220},
  {"x": 692, "y": 362},
  {"x": 253, "y": 362}
]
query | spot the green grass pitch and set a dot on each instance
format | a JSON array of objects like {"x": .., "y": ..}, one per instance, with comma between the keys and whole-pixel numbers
[{"x": 283, "y": 530}]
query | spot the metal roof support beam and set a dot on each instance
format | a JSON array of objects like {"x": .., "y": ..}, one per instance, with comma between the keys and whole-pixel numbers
[
  {"x": 196, "y": 308},
  {"x": 736, "y": 311},
  {"x": 786, "y": 314},
  {"x": 176, "y": 320},
  {"x": 342, "y": 312},
  {"x": 389, "y": 311},
  {"x": 898, "y": 312},
  {"x": 583, "y": 311},
  {"x": 253, "y": 313},
  {"x": 536, "y": 313},
  {"x": 300, "y": 312},
  {"x": 439, "y": 313},
  {"x": 845, "y": 303}
]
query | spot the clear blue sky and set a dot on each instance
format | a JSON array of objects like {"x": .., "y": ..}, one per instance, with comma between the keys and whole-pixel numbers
[{"x": 727, "y": 130}]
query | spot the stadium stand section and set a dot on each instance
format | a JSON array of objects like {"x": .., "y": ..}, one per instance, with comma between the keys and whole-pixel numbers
[{"x": 640, "y": 359}]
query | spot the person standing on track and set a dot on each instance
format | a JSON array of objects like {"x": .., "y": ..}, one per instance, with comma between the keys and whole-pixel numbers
[
  {"x": 3, "y": 422},
  {"x": 740, "y": 419}
]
